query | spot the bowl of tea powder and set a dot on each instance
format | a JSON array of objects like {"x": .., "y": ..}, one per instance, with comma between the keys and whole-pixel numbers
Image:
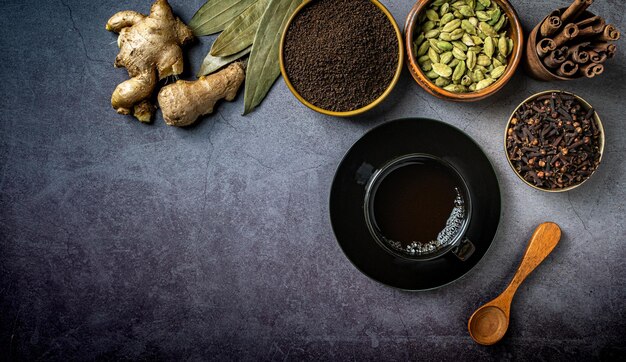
[{"x": 341, "y": 57}]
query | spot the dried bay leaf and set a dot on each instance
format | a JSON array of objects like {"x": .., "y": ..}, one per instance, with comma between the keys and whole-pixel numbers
[
  {"x": 240, "y": 33},
  {"x": 263, "y": 67},
  {"x": 215, "y": 15},
  {"x": 211, "y": 63}
]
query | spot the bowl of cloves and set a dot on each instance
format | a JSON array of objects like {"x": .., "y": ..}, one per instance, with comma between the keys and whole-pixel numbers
[{"x": 554, "y": 141}]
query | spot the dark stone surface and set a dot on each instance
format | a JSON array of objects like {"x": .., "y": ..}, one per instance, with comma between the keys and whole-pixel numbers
[{"x": 120, "y": 240}]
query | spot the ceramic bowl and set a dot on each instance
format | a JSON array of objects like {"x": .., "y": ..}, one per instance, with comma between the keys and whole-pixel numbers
[
  {"x": 586, "y": 107},
  {"x": 354, "y": 112},
  {"x": 514, "y": 31}
]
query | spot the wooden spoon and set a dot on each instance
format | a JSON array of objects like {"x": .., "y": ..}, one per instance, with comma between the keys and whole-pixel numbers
[{"x": 489, "y": 323}]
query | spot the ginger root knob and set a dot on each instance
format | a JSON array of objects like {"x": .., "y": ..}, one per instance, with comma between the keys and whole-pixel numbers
[
  {"x": 150, "y": 49},
  {"x": 184, "y": 101}
]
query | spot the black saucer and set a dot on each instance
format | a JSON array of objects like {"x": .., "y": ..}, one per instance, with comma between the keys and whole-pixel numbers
[{"x": 386, "y": 142}]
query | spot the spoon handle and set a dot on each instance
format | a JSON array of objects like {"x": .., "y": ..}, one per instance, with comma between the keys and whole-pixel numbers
[{"x": 541, "y": 244}]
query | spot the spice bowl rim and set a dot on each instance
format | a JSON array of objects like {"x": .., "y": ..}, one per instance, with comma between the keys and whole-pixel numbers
[
  {"x": 368, "y": 106},
  {"x": 420, "y": 78},
  {"x": 587, "y": 106}
]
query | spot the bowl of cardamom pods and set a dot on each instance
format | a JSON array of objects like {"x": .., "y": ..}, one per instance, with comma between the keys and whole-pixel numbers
[{"x": 463, "y": 50}]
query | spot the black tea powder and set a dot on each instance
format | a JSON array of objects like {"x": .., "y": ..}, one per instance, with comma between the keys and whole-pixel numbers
[{"x": 341, "y": 55}]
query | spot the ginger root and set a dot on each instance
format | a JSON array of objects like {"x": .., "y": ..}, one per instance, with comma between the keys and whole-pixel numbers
[
  {"x": 150, "y": 48},
  {"x": 184, "y": 101}
]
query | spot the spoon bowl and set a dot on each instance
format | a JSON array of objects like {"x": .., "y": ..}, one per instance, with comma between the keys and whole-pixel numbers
[{"x": 489, "y": 323}]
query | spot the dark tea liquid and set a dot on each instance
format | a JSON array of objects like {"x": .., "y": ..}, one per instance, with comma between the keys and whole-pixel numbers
[{"x": 419, "y": 207}]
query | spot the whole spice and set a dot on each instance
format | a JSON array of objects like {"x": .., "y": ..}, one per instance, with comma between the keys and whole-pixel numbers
[
  {"x": 553, "y": 141},
  {"x": 462, "y": 46},
  {"x": 579, "y": 38},
  {"x": 341, "y": 55}
]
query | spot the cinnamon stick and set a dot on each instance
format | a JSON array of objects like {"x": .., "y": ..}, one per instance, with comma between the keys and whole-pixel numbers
[
  {"x": 545, "y": 46},
  {"x": 609, "y": 33},
  {"x": 604, "y": 47},
  {"x": 575, "y": 10},
  {"x": 569, "y": 32},
  {"x": 550, "y": 25},
  {"x": 577, "y": 54},
  {"x": 554, "y": 59},
  {"x": 567, "y": 69},
  {"x": 591, "y": 70},
  {"x": 595, "y": 21},
  {"x": 596, "y": 57}
]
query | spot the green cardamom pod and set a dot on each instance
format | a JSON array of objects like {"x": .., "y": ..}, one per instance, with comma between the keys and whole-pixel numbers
[
  {"x": 443, "y": 70},
  {"x": 455, "y": 88},
  {"x": 432, "y": 33},
  {"x": 483, "y": 16},
  {"x": 445, "y": 57},
  {"x": 439, "y": 2},
  {"x": 478, "y": 75},
  {"x": 428, "y": 26},
  {"x": 457, "y": 34},
  {"x": 503, "y": 46},
  {"x": 510, "y": 44},
  {"x": 423, "y": 48},
  {"x": 471, "y": 59},
  {"x": 459, "y": 45},
  {"x": 467, "y": 40},
  {"x": 477, "y": 40},
  {"x": 496, "y": 63},
  {"x": 454, "y": 24},
  {"x": 433, "y": 55},
  {"x": 444, "y": 9},
  {"x": 500, "y": 23},
  {"x": 445, "y": 36},
  {"x": 476, "y": 49},
  {"x": 487, "y": 29},
  {"x": 473, "y": 20},
  {"x": 466, "y": 11},
  {"x": 432, "y": 75},
  {"x": 428, "y": 66},
  {"x": 484, "y": 83},
  {"x": 489, "y": 47},
  {"x": 458, "y": 4},
  {"x": 423, "y": 59},
  {"x": 472, "y": 87},
  {"x": 483, "y": 60},
  {"x": 466, "y": 80},
  {"x": 432, "y": 15},
  {"x": 459, "y": 71},
  {"x": 442, "y": 82},
  {"x": 485, "y": 3},
  {"x": 468, "y": 27},
  {"x": 495, "y": 15},
  {"x": 419, "y": 40},
  {"x": 447, "y": 18},
  {"x": 453, "y": 63},
  {"x": 497, "y": 72},
  {"x": 433, "y": 45},
  {"x": 471, "y": 4},
  {"x": 458, "y": 54},
  {"x": 444, "y": 45}
]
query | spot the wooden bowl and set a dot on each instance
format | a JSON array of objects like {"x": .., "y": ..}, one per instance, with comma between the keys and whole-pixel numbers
[
  {"x": 587, "y": 107},
  {"x": 353, "y": 112},
  {"x": 514, "y": 31}
]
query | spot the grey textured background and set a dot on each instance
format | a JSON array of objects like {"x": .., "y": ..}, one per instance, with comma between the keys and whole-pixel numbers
[{"x": 125, "y": 240}]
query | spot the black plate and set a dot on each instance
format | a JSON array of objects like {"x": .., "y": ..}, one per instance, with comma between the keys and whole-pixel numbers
[{"x": 375, "y": 149}]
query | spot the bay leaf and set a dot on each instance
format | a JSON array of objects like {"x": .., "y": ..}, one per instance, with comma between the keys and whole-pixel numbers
[
  {"x": 263, "y": 65},
  {"x": 215, "y": 15},
  {"x": 240, "y": 33},
  {"x": 211, "y": 63}
]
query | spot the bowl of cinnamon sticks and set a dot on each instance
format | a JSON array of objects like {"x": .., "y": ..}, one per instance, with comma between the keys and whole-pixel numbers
[{"x": 570, "y": 43}]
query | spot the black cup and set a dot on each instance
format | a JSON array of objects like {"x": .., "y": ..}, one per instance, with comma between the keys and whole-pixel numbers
[{"x": 457, "y": 243}]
